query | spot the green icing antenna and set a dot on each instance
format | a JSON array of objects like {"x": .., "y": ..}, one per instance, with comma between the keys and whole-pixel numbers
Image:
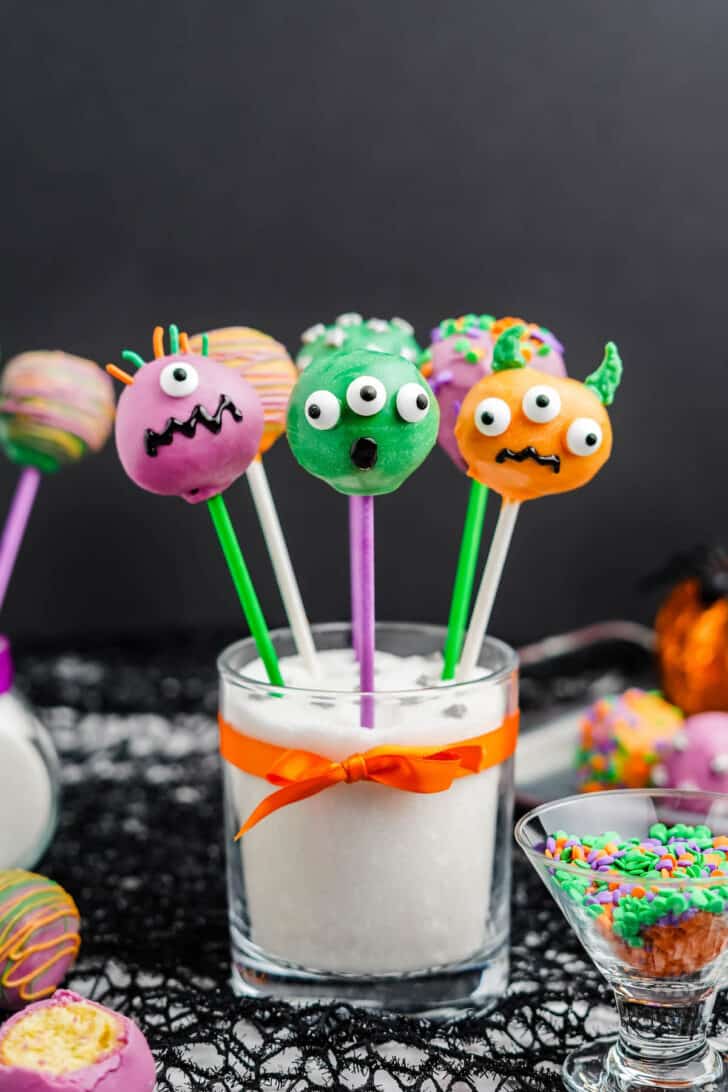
[
  {"x": 173, "y": 339},
  {"x": 605, "y": 380},
  {"x": 132, "y": 358},
  {"x": 507, "y": 353},
  {"x": 205, "y": 344}
]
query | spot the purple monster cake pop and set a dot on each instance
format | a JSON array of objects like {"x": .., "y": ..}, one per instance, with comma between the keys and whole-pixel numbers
[
  {"x": 186, "y": 426},
  {"x": 461, "y": 353},
  {"x": 697, "y": 755}
]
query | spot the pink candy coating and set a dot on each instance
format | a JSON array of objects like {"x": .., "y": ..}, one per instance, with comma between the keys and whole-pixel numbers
[
  {"x": 697, "y": 757},
  {"x": 201, "y": 460},
  {"x": 128, "y": 1068}
]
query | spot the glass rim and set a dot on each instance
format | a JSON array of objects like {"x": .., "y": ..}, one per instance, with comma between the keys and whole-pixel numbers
[
  {"x": 238, "y": 678},
  {"x": 539, "y": 857}
]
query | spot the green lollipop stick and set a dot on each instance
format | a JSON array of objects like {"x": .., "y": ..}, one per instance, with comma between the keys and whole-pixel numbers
[
  {"x": 464, "y": 577},
  {"x": 244, "y": 587}
]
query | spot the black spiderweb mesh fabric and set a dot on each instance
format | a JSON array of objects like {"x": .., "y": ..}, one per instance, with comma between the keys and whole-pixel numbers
[{"x": 140, "y": 847}]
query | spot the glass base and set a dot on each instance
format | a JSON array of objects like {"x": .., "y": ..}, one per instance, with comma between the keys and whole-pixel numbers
[
  {"x": 598, "y": 1067},
  {"x": 441, "y": 993}
]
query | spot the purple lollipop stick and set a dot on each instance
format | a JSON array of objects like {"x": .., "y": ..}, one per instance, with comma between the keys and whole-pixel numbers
[{"x": 15, "y": 524}]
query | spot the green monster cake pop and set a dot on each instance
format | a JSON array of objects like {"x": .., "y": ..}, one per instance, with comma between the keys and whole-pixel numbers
[{"x": 362, "y": 421}]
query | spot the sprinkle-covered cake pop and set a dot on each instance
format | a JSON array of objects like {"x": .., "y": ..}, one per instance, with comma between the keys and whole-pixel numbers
[
  {"x": 697, "y": 755},
  {"x": 362, "y": 421},
  {"x": 623, "y": 738},
  {"x": 54, "y": 407},
  {"x": 186, "y": 426},
  {"x": 662, "y": 931},
  {"x": 68, "y": 1044},
  {"x": 525, "y": 436},
  {"x": 461, "y": 354},
  {"x": 266, "y": 365},
  {"x": 39, "y": 937},
  {"x": 351, "y": 331}
]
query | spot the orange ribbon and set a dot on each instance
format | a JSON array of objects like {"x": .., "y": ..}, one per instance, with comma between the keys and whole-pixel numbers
[{"x": 300, "y": 774}]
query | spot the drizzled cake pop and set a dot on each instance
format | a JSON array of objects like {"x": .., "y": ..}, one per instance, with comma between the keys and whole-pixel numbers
[
  {"x": 697, "y": 755},
  {"x": 186, "y": 425},
  {"x": 461, "y": 354},
  {"x": 54, "y": 407},
  {"x": 266, "y": 365},
  {"x": 362, "y": 421},
  {"x": 351, "y": 331},
  {"x": 39, "y": 937}
]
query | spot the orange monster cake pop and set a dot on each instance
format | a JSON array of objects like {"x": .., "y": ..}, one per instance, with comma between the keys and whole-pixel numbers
[{"x": 526, "y": 436}]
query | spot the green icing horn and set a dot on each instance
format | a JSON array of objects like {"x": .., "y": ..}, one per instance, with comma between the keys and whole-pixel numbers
[
  {"x": 605, "y": 380},
  {"x": 507, "y": 352}
]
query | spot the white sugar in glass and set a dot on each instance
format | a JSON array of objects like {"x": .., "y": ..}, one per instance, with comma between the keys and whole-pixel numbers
[{"x": 367, "y": 892}]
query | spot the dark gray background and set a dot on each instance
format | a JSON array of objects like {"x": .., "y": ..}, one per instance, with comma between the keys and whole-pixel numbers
[{"x": 275, "y": 163}]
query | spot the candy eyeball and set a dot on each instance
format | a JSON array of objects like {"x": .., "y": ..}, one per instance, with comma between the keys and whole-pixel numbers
[
  {"x": 492, "y": 416},
  {"x": 366, "y": 396},
  {"x": 322, "y": 410},
  {"x": 413, "y": 402},
  {"x": 541, "y": 404},
  {"x": 584, "y": 436},
  {"x": 179, "y": 379}
]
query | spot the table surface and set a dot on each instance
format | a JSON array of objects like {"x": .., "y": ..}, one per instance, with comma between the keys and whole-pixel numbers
[{"x": 140, "y": 847}]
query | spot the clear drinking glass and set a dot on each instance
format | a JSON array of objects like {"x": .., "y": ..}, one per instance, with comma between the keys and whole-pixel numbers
[
  {"x": 664, "y": 953},
  {"x": 366, "y": 892}
]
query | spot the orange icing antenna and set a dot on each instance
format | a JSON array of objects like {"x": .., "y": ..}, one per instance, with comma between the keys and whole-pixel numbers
[
  {"x": 184, "y": 342},
  {"x": 117, "y": 373},
  {"x": 158, "y": 342}
]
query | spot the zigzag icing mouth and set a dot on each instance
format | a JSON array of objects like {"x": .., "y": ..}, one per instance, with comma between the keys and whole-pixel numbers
[
  {"x": 199, "y": 416},
  {"x": 529, "y": 453}
]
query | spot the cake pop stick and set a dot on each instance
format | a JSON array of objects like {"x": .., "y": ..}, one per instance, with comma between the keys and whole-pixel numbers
[
  {"x": 351, "y": 331},
  {"x": 363, "y": 422},
  {"x": 54, "y": 407},
  {"x": 460, "y": 354},
  {"x": 266, "y": 365},
  {"x": 189, "y": 427},
  {"x": 527, "y": 439}
]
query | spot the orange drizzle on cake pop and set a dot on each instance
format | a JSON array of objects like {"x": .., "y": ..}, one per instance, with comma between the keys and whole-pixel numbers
[{"x": 29, "y": 948}]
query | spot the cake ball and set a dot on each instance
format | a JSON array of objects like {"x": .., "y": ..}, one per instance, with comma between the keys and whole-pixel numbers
[
  {"x": 39, "y": 937},
  {"x": 623, "y": 739},
  {"x": 697, "y": 755},
  {"x": 187, "y": 426},
  {"x": 54, "y": 407},
  {"x": 68, "y": 1044},
  {"x": 266, "y": 365},
  {"x": 351, "y": 331},
  {"x": 461, "y": 353},
  {"x": 362, "y": 421}
]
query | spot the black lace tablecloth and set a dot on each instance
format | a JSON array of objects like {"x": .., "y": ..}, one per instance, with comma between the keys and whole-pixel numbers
[{"x": 140, "y": 847}]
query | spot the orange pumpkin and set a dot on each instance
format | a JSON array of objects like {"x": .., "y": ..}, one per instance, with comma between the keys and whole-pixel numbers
[
  {"x": 692, "y": 639},
  {"x": 527, "y": 435}
]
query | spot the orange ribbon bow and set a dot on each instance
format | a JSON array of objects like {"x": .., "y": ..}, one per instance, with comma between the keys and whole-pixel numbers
[{"x": 300, "y": 774}]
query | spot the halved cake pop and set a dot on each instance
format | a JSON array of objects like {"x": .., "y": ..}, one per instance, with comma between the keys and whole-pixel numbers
[{"x": 68, "y": 1044}]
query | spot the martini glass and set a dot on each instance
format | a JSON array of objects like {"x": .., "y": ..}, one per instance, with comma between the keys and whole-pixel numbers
[{"x": 664, "y": 961}]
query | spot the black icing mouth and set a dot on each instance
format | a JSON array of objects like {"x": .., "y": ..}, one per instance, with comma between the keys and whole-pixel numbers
[
  {"x": 364, "y": 453},
  {"x": 529, "y": 453},
  {"x": 199, "y": 416}
]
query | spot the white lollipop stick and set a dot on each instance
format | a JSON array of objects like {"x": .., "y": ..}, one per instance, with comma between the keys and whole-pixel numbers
[
  {"x": 282, "y": 566},
  {"x": 488, "y": 587}
]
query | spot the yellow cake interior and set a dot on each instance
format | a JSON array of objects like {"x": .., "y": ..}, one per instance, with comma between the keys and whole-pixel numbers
[{"x": 61, "y": 1038}]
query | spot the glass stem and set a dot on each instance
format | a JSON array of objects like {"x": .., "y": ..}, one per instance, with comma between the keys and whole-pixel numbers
[{"x": 665, "y": 1042}]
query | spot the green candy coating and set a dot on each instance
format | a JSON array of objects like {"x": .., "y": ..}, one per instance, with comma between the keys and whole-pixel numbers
[
  {"x": 350, "y": 332},
  {"x": 399, "y": 446}
]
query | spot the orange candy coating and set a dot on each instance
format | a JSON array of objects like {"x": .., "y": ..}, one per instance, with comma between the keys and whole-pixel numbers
[{"x": 525, "y": 478}]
